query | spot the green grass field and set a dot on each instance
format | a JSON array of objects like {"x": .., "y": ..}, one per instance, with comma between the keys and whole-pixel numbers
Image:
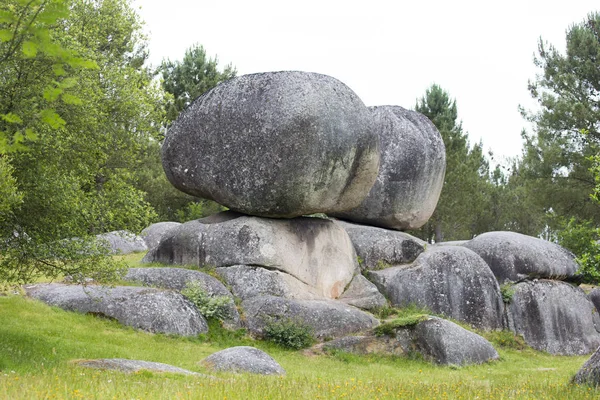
[{"x": 38, "y": 342}]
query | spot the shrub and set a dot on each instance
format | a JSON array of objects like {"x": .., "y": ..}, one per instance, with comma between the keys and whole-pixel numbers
[
  {"x": 216, "y": 307},
  {"x": 389, "y": 328},
  {"x": 289, "y": 333},
  {"x": 507, "y": 291}
]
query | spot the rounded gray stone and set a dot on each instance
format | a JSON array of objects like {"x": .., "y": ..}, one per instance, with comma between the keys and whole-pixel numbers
[
  {"x": 411, "y": 174},
  {"x": 122, "y": 242},
  {"x": 275, "y": 144},
  {"x": 131, "y": 366},
  {"x": 152, "y": 310},
  {"x": 453, "y": 281},
  {"x": 243, "y": 359},
  {"x": 555, "y": 317},
  {"x": 589, "y": 373},
  {"x": 154, "y": 233},
  {"x": 515, "y": 257}
]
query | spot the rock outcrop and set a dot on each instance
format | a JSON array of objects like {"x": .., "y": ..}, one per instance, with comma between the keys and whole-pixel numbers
[
  {"x": 589, "y": 373},
  {"x": 243, "y": 359},
  {"x": 363, "y": 294},
  {"x": 122, "y": 242},
  {"x": 515, "y": 257},
  {"x": 327, "y": 318},
  {"x": 315, "y": 251},
  {"x": 555, "y": 317},
  {"x": 452, "y": 281},
  {"x": 155, "y": 232},
  {"x": 131, "y": 366},
  {"x": 275, "y": 144},
  {"x": 152, "y": 310},
  {"x": 411, "y": 174},
  {"x": 377, "y": 247}
]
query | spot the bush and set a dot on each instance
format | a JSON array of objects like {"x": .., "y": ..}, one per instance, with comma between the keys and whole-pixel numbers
[
  {"x": 581, "y": 238},
  {"x": 389, "y": 328},
  {"x": 507, "y": 291},
  {"x": 216, "y": 307},
  {"x": 289, "y": 333}
]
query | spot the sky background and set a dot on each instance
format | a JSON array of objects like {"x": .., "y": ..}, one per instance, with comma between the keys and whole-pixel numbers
[{"x": 388, "y": 52}]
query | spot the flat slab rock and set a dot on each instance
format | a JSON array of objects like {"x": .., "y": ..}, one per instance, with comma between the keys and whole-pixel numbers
[
  {"x": 555, "y": 317},
  {"x": 453, "y": 281},
  {"x": 243, "y": 359},
  {"x": 131, "y": 366},
  {"x": 378, "y": 247},
  {"x": 515, "y": 257},
  {"x": 178, "y": 278},
  {"x": 275, "y": 144},
  {"x": 315, "y": 251},
  {"x": 328, "y": 318},
  {"x": 123, "y": 242},
  {"x": 437, "y": 340},
  {"x": 589, "y": 373},
  {"x": 152, "y": 310},
  {"x": 411, "y": 174}
]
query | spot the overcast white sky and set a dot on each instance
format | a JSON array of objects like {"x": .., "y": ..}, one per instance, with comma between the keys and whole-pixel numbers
[{"x": 388, "y": 52}]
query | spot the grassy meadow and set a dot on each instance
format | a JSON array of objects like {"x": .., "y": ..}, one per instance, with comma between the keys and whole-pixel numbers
[{"x": 38, "y": 342}]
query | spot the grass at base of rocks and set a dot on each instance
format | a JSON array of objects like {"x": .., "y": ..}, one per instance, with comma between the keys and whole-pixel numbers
[{"x": 38, "y": 342}]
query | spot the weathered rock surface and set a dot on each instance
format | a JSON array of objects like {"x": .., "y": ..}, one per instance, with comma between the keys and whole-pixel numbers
[
  {"x": 589, "y": 373},
  {"x": 315, "y": 251},
  {"x": 411, "y": 174},
  {"x": 437, "y": 340},
  {"x": 178, "y": 278},
  {"x": 275, "y": 144},
  {"x": 152, "y": 310},
  {"x": 555, "y": 317},
  {"x": 363, "y": 294},
  {"x": 122, "y": 242},
  {"x": 515, "y": 257},
  {"x": 594, "y": 297},
  {"x": 453, "y": 281},
  {"x": 155, "y": 232},
  {"x": 247, "y": 281},
  {"x": 131, "y": 366},
  {"x": 328, "y": 318},
  {"x": 379, "y": 247},
  {"x": 446, "y": 343},
  {"x": 243, "y": 359}
]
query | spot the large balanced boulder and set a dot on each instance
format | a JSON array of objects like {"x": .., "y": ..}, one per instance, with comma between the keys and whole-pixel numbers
[
  {"x": 248, "y": 281},
  {"x": 275, "y": 144},
  {"x": 377, "y": 247},
  {"x": 411, "y": 174},
  {"x": 515, "y": 257},
  {"x": 122, "y": 242},
  {"x": 555, "y": 317},
  {"x": 589, "y": 373},
  {"x": 452, "y": 281},
  {"x": 315, "y": 251},
  {"x": 327, "y": 318},
  {"x": 152, "y": 310},
  {"x": 154, "y": 233},
  {"x": 179, "y": 278},
  {"x": 243, "y": 359}
]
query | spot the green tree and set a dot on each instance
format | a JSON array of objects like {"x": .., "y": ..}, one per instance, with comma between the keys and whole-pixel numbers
[
  {"x": 76, "y": 179},
  {"x": 458, "y": 212},
  {"x": 557, "y": 156}
]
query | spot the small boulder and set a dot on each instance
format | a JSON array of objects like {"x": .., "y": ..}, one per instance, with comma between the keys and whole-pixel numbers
[
  {"x": 131, "y": 366},
  {"x": 155, "y": 232},
  {"x": 275, "y": 144},
  {"x": 327, "y": 318},
  {"x": 515, "y": 257},
  {"x": 594, "y": 297},
  {"x": 363, "y": 294},
  {"x": 152, "y": 310},
  {"x": 243, "y": 359},
  {"x": 378, "y": 247},
  {"x": 315, "y": 251},
  {"x": 411, "y": 174},
  {"x": 453, "y": 281},
  {"x": 122, "y": 242},
  {"x": 589, "y": 373},
  {"x": 248, "y": 281},
  {"x": 178, "y": 278},
  {"x": 555, "y": 317}
]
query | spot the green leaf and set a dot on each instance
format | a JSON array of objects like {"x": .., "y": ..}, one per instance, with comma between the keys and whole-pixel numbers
[
  {"x": 52, "y": 93},
  {"x": 5, "y": 35},
  {"x": 70, "y": 99},
  {"x": 51, "y": 118},
  {"x": 18, "y": 137},
  {"x": 77, "y": 62},
  {"x": 11, "y": 118},
  {"x": 30, "y": 134},
  {"x": 68, "y": 83},
  {"x": 6, "y": 17},
  {"x": 30, "y": 49},
  {"x": 58, "y": 70}
]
